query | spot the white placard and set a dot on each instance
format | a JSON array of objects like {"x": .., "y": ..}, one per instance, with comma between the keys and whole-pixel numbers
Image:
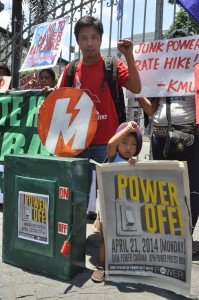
[{"x": 146, "y": 223}]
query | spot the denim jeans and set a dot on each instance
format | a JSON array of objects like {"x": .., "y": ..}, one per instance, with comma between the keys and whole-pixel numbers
[{"x": 97, "y": 153}]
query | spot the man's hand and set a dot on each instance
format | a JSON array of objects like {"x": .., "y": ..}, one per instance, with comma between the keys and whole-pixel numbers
[{"x": 125, "y": 46}]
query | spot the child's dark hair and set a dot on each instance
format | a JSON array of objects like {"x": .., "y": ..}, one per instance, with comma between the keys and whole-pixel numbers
[
  {"x": 49, "y": 71},
  {"x": 88, "y": 21},
  {"x": 5, "y": 67}
]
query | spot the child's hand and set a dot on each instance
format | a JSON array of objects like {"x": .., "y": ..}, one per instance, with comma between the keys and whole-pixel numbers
[
  {"x": 132, "y": 161},
  {"x": 133, "y": 126}
]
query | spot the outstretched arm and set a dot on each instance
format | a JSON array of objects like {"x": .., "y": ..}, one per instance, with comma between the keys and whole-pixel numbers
[
  {"x": 118, "y": 137},
  {"x": 126, "y": 48}
]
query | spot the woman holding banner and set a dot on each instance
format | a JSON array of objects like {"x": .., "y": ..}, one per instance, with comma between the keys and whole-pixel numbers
[
  {"x": 46, "y": 80},
  {"x": 178, "y": 113}
]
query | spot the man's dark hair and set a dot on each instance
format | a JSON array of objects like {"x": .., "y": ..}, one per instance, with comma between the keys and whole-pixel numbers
[
  {"x": 88, "y": 21},
  {"x": 178, "y": 32},
  {"x": 5, "y": 67},
  {"x": 49, "y": 71}
]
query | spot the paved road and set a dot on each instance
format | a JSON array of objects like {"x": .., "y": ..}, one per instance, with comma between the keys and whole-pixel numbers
[{"x": 16, "y": 283}]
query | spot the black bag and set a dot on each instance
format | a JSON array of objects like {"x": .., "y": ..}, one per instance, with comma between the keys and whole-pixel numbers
[
  {"x": 179, "y": 145},
  {"x": 179, "y": 139}
]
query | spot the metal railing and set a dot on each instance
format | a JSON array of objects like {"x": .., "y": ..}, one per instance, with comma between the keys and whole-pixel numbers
[{"x": 23, "y": 29}]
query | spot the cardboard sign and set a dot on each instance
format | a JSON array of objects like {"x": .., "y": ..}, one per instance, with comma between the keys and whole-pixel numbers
[
  {"x": 46, "y": 45},
  {"x": 33, "y": 211},
  {"x": 24, "y": 82},
  {"x": 146, "y": 225},
  {"x": 4, "y": 83},
  {"x": 67, "y": 122}
]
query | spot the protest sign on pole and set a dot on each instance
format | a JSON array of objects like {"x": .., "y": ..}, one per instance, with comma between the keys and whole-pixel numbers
[
  {"x": 145, "y": 212},
  {"x": 46, "y": 45},
  {"x": 67, "y": 121},
  {"x": 166, "y": 67}
]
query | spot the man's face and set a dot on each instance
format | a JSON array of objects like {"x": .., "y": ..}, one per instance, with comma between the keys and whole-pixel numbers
[{"x": 89, "y": 41}]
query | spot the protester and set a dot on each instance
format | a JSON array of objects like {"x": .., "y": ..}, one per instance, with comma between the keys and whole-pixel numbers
[
  {"x": 182, "y": 113},
  {"x": 46, "y": 80},
  {"x": 124, "y": 146},
  {"x": 89, "y": 77}
]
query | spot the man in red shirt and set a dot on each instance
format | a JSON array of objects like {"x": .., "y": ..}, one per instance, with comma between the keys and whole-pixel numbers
[{"x": 89, "y": 77}]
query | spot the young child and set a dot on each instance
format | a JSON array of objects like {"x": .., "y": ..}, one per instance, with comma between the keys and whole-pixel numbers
[{"x": 124, "y": 146}]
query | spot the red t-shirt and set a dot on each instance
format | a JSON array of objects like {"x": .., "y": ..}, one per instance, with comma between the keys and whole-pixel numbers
[{"x": 89, "y": 79}]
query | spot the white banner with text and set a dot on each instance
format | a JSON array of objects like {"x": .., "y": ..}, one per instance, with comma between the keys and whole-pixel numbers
[{"x": 166, "y": 67}]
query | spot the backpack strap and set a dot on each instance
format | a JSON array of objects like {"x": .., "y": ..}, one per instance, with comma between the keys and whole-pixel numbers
[
  {"x": 110, "y": 71},
  {"x": 71, "y": 72}
]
